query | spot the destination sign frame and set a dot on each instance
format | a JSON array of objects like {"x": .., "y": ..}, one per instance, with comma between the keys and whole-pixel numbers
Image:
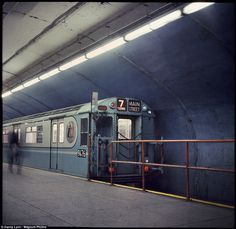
[
  {"x": 131, "y": 105},
  {"x": 134, "y": 106}
]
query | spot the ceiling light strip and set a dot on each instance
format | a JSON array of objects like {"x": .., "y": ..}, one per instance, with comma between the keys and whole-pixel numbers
[
  {"x": 49, "y": 74},
  {"x": 158, "y": 23},
  {"x": 6, "y": 94},
  {"x": 31, "y": 82},
  {"x": 196, "y": 6},
  {"x": 20, "y": 87},
  {"x": 138, "y": 32},
  {"x": 72, "y": 63},
  {"x": 153, "y": 25},
  {"x": 105, "y": 48}
]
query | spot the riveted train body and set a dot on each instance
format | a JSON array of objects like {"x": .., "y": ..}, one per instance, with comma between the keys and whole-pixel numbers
[{"x": 61, "y": 139}]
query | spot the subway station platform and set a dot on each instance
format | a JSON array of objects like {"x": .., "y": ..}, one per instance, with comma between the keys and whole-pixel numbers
[{"x": 38, "y": 197}]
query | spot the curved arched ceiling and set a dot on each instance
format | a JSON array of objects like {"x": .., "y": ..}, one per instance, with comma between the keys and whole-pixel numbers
[{"x": 186, "y": 63}]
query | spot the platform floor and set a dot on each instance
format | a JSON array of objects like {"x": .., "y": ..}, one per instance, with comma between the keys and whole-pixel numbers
[{"x": 38, "y": 197}]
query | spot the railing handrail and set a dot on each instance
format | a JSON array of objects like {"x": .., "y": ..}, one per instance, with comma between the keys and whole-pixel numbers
[
  {"x": 176, "y": 140},
  {"x": 174, "y": 166},
  {"x": 186, "y": 166}
]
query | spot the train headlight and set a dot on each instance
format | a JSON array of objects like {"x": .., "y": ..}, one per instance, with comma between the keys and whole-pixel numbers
[
  {"x": 112, "y": 105},
  {"x": 144, "y": 108},
  {"x": 149, "y": 112}
]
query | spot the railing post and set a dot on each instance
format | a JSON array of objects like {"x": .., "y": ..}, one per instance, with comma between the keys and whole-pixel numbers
[
  {"x": 187, "y": 172},
  {"x": 111, "y": 148},
  {"x": 143, "y": 177}
]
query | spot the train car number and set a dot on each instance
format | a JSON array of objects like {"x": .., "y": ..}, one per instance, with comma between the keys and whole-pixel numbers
[{"x": 81, "y": 153}]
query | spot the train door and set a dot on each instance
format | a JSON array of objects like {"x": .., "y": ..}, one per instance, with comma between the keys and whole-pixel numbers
[
  {"x": 82, "y": 150},
  {"x": 104, "y": 131},
  {"x": 57, "y": 136},
  {"x": 128, "y": 127}
]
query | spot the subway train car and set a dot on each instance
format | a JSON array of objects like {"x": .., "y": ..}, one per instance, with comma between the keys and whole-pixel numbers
[{"x": 59, "y": 140}]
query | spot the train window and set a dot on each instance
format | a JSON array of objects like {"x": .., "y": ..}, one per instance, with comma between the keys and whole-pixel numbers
[
  {"x": 39, "y": 134},
  {"x": 61, "y": 132},
  {"x": 39, "y": 128},
  {"x": 34, "y": 134},
  {"x": 28, "y": 135},
  {"x": 84, "y": 131},
  {"x": 54, "y": 132},
  {"x": 84, "y": 125},
  {"x": 104, "y": 126},
  {"x": 31, "y": 134},
  {"x": 19, "y": 135},
  {"x": 124, "y": 128},
  {"x": 70, "y": 131},
  {"x": 5, "y": 136}
]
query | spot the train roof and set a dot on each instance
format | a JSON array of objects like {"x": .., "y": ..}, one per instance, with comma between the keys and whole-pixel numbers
[{"x": 81, "y": 108}]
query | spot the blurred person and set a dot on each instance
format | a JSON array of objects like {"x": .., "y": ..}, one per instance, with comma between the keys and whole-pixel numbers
[{"x": 14, "y": 152}]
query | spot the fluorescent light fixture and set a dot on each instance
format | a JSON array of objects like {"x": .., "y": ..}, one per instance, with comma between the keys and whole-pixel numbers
[
  {"x": 17, "y": 88},
  {"x": 193, "y": 7},
  {"x": 31, "y": 82},
  {"x": 49, "y": 74},
  {"x": 138, "y": 32},
  {"x": 165, "y": 19},
  {"x": 6, "y": 94},
  {"x": 111, "y": 45},
  {"x": 72, "y": 63}
]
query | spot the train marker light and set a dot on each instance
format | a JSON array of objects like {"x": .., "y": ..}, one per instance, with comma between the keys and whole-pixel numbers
[
  {"x": 112, "y": 105},
  {"x": 146, "y": 167},
  {"x": 193, "y": 7},
  {"x": 144, "y": 108},
  {"x": 111, "y": 169},
  {"x": 102, "y": 108}
]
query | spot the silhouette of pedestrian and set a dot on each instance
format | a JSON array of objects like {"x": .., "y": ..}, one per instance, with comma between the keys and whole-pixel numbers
[{"x": 14, "y": 152}]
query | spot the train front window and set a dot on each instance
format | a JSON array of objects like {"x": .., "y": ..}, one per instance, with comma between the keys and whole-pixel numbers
[
  {"x": 124, "y": 128},
  {"x": 84, "y": 132},
  {"x": 104, "y": 126}
]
